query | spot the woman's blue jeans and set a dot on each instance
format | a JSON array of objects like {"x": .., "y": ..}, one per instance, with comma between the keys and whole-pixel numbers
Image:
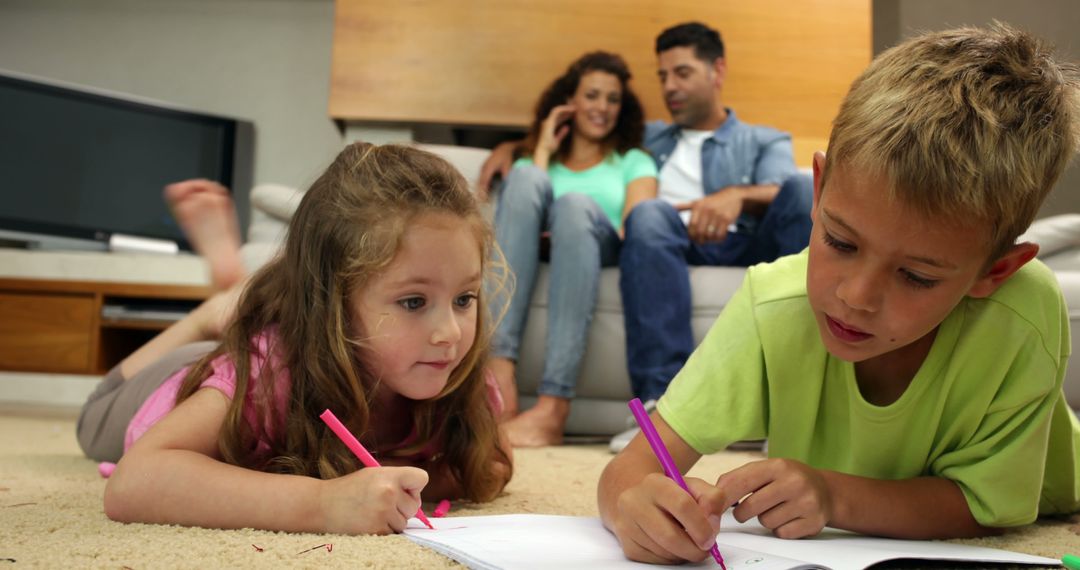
[{"x": 582, "y": 241}]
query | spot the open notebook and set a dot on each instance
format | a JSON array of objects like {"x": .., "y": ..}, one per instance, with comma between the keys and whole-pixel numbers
[{"x": 549, "y": 541}]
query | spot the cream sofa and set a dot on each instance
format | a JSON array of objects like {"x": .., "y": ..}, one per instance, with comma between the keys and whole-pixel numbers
[{"x": 604, "y": 387}]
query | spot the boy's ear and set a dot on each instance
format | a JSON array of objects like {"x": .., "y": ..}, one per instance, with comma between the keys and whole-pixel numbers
[
  {"x": 819, "y": 167},
  {"x": 1003, "y": 268}
]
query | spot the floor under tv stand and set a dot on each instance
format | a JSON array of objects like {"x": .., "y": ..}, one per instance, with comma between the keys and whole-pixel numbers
[{"x": 82, "y": 312}]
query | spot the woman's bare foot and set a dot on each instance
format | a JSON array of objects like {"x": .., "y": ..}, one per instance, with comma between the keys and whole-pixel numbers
[
  {"x": 204, "y": 209},
  {"x": 541, "y": 424},
  {"x": 503, "y": 369}
]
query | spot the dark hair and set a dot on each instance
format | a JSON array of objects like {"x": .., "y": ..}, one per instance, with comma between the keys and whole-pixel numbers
[
  {"x": 708, "y": 46},
  {"x": 630, "y": 123}
]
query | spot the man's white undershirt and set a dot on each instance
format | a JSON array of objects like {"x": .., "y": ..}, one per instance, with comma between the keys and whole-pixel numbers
[{"x": 680, "y": 177}]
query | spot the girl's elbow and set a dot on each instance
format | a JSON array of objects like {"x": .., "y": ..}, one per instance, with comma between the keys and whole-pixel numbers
[
  {"x": 121, "y": 504},
  {"x": 116, "y": 504}
]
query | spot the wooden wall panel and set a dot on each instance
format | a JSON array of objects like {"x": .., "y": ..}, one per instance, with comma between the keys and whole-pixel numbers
[{"x": 484, "y": 62}]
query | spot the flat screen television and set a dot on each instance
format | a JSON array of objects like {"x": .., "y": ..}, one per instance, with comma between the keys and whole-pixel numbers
[{"x": 80, "y": 165}]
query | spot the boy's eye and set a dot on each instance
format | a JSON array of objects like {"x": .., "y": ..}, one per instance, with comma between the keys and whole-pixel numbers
[
  {"x": 836, "y": 244},
  {"x": 465, "y": 301},
  {"x": 918, "y": 281},
  {"x": 411, "y": 303}
]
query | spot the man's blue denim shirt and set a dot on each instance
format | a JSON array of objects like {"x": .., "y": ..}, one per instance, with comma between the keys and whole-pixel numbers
[{"x": 736, "y": 153}]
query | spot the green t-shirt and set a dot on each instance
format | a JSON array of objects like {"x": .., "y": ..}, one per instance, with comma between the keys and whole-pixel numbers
[
  {"x": 985, "y": 410},
  {"x": 606, "y": 182}
]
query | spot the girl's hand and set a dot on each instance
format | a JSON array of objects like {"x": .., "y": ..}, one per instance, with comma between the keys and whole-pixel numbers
[
  {"x": 552, "y": 132},
  {"x": 377, "y": 500},
  {"x": 660, "y": 523},
  {"x": 788, "y": 497}
]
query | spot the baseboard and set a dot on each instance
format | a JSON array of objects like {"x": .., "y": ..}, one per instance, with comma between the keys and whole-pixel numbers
[{"x": 46, "y": 390}]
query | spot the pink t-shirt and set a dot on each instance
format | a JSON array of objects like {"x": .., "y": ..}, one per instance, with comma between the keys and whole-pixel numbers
[{"x": 223, "y": 378}]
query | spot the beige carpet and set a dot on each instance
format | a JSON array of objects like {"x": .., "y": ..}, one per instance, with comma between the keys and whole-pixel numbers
[{"x": 51, "y": 514}]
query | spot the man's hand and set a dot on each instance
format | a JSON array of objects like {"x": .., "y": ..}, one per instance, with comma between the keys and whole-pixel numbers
[
  {"x": 788, "y": 497},
  {"x": 711, "y": 215},
  {"x": 498, "y": 162}
]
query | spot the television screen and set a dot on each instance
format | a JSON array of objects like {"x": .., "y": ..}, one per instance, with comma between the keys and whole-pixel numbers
[{"x": 80, "y": 163}]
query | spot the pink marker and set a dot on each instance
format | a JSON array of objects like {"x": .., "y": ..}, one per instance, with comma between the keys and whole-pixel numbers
[
  {"x": 441, "y": 509},
  {"x": 362, "y": 454}
]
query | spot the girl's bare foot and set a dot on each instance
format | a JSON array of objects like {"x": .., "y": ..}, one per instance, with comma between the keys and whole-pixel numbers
[
  {"x": 503, "y": 369},
  {"x": 204, "y": 209},
  {"x": 540, "y": 425}
]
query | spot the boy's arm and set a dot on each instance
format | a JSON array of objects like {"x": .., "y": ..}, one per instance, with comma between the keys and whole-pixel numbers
[
  {"x": 174, "y": 475},
  {"x": 654, "y": 519},
  {"x": 921, "y": 508},
  {"x": 796, "y": 500}
]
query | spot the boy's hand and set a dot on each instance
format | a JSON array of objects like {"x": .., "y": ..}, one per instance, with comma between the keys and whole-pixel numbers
[
  {"x": 378, "y": 500},
  {"x": 660, "y": 523},
  {"x": 788, "y": 497}
]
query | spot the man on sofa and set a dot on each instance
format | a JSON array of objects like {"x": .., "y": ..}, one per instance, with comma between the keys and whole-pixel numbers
[{"x": 729, "y": 194}]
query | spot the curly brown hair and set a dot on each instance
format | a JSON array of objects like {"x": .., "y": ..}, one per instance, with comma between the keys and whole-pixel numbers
[
  {"x": 346, "y": 229},
  {"x": 630, "y": 123}
]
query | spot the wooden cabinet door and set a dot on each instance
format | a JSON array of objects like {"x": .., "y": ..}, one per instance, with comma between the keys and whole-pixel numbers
[{"x": 47, "y": 332}]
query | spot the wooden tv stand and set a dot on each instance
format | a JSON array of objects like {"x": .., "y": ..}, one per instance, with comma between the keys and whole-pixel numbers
[{"x": 51, "y": 306}]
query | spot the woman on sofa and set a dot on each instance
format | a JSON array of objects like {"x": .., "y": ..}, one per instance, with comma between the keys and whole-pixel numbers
[{"x": 580, "y": 175}]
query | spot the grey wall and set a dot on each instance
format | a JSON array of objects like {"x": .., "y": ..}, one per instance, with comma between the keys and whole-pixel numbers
[
  {"x": 267, "y": 61},
  {"x": 1056, "y": 21}
]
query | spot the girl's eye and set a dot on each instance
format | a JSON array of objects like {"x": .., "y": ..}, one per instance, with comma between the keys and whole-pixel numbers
[
  {"x": 411, "y": 303},
  {"x": 836, "y": 244},
  {"x": 917, "y": 281},
  {"x": 465, "y": 301}
]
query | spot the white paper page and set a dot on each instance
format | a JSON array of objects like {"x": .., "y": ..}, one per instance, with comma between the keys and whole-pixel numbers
[{"x": 547, "y": 541}]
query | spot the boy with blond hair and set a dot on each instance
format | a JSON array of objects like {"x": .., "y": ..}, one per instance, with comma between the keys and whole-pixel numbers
[{"x": 907, "y": 367}]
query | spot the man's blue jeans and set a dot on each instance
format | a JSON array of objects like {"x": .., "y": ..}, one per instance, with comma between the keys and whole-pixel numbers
[
  {"x": 582, "y": 241},
  {"x": 655, "y": 280}
]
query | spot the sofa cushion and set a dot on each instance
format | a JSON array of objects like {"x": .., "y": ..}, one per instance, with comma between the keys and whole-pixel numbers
[{"x": 1054, "y": 234}]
